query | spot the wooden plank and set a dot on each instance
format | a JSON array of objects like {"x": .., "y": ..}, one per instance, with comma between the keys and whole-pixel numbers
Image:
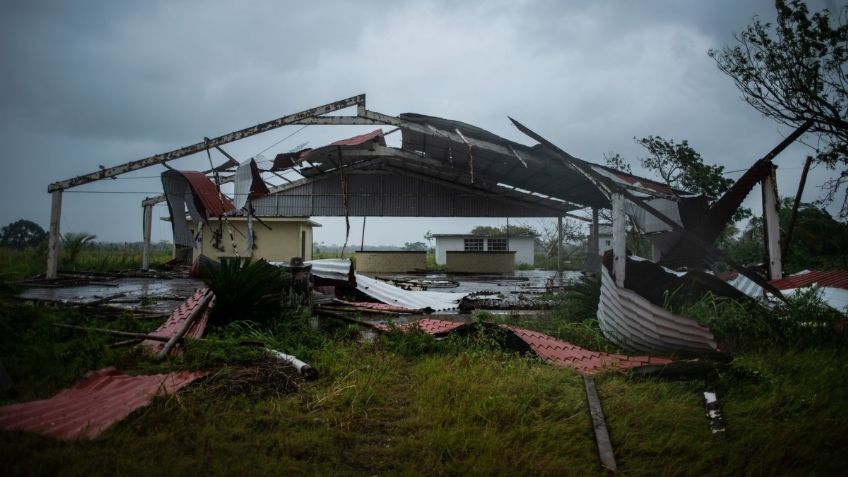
[
  {"x": 198, "y": 310},
  {"x": 599, "y": 424}
]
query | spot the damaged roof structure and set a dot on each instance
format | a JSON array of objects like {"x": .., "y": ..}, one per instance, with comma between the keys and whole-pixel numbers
[{"x": 447, "y": 168}]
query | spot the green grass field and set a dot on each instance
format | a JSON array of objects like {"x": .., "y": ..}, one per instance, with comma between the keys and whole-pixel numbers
[{"x": 407, "y": 404}]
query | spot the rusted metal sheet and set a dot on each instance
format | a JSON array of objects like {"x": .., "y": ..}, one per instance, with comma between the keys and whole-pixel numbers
[
  {"x": 175, "y": 322},
  {"x": 831, "y": 279},
  {"x": 202, "y": 146},
  {"x": 632, "y": 322},
  {"x": 90, "y": 406},
  {"x": 207, "y": 199},
  {"x": 555, "y": 352}
]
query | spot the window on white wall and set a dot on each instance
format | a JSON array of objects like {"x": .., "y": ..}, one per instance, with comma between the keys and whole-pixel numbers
[
  {"x": 497, "y": 245},
  {"x": 473, "y": 245}
]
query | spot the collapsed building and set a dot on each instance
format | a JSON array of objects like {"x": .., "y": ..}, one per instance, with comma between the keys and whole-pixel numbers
[{"x": 446, "y": 168}]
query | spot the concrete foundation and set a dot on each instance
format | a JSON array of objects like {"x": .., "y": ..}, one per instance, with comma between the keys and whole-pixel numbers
[
  {"x": 480, "y": 262},
  {"x": 390, "y": 261}
]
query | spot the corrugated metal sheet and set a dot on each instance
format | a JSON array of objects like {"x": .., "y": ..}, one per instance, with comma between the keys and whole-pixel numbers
[
  {"x": 336, "y": 269},
  {"x": 830, "y": 279},
  {"x": 564, "y": 354},
  {"x": 175, "y": 322},
  {"x": 437, "y": 301},
  {"x": 388, "y": 194},
  {"x": 634, "y": 323},
  {"x": 207, "y": 199},
  {"x": 556, "y": 352},
  {"x": 92, "y": 405}
]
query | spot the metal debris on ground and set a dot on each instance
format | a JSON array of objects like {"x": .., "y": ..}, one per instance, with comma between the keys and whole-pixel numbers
[
  {"x": 178, "y": 319},
  {"x": 90, "y": 406}
]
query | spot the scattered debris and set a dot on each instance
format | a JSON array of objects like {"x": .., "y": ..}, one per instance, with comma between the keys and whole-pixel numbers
[
  {"x": 714, "y": 414},
  {"x": 302, "y": 368},
  {"x": 264, "y": 378},
  {"x": 177, "y": 321}
]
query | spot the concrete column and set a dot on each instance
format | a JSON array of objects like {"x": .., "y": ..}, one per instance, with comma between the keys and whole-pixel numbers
[
  {"x": 53, "y": 239},
  {"x": 145, "y": 248},
  {"x": 619, "y": 239},
  {"x": 771, "y": 205}
]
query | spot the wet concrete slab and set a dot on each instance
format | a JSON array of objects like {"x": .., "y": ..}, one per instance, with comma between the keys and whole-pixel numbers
[{"x": 150, "y": 294}]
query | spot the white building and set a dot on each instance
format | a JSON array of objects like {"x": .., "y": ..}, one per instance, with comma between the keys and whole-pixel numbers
[
  {"x": 522, "y": 245},
  {"x": 604, "y": 238}
]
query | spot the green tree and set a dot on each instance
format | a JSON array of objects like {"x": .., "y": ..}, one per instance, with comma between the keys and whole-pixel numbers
[
  {"x": 795, "y": 71},
  {"x": 513, "y": 230},
  {"x": 818, "y": 240},
  {"x": 22, "y": 234},
  {"x": 415, "y": 246},
  {"x": 680, "y": 166}
]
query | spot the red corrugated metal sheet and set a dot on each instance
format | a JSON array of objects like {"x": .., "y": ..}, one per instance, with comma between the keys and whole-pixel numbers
[
  {"x": 175, "y": 322},
  {"x": 206, "y": 196},
  {"x": 556, "y": 352},
  {"x": 832, "y": 279},
  {"x": 287, "y": 160},
  {"x": 564, "y": 354},
  {"x": 90, "y": 406},
  {"x": 368, "y": 305},
  {"x": 376, "y": 135}
]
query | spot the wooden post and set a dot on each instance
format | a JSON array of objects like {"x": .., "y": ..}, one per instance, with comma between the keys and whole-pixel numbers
[
  {"x": 145, "y": 248},
  {"x": 619, "y": 239},
  {"x": 771, "y": 205},
  {"x": 594, "y": 244},
  {"x": 599, "y": 424},
  {"x": 53, "y": 239}
]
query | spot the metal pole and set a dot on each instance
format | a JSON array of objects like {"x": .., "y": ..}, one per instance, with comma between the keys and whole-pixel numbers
[
  {"x": 619, "y": 239},
  {"x": 53, "y": 239},
  {"x": 595, "y": 246},
  {"x": 559, "y": 249},
  {"x": 362, "y": 243},
  {"x": 145, "y": 248}
]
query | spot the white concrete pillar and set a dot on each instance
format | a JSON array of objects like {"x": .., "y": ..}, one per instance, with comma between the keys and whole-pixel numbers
[
  {"x": 53, "y": 238},
  {"x": 145, "y": 248},
  {"x": 771, "y": 216}
]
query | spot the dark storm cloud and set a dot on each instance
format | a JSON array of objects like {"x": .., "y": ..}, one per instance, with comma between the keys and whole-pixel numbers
[{"x": 91, "y": 83}]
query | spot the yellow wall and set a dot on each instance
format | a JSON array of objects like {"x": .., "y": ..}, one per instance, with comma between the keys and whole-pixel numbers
[
  {"x": 390, "y": 262},
  {"x": 480, "y": 262},
  {"x": 281, "y": 243}
]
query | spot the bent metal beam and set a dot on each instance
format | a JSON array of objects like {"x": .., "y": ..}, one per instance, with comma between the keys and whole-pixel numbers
[{"x": 56, "y": 188}]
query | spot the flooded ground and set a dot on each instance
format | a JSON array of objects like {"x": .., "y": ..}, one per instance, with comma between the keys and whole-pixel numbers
[
  {"x": 152, "y": 294},
  {"x": 519, "y": 281}
]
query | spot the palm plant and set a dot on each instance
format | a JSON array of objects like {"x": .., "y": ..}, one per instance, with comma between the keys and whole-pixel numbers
[
  {"x": 244, "y": 290},
  {"x": 72, "y": 244}
]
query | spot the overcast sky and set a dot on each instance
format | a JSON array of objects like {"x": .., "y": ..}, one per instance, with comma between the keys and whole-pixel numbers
[{"x": 101, "y": 83}]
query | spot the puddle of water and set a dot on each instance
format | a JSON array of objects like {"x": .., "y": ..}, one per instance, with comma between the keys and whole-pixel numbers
[{"x": 167, "y": 294}]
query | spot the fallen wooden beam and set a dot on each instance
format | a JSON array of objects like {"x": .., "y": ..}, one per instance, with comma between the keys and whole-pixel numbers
[{"x": 601, "y": 434}]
